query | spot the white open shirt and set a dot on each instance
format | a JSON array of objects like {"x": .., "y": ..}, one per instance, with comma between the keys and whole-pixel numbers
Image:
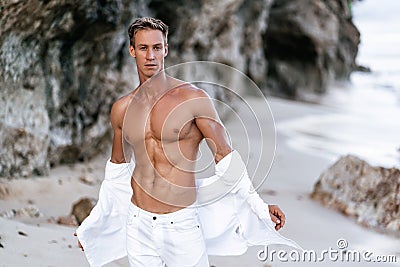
[{"x": 229, "y": 221}]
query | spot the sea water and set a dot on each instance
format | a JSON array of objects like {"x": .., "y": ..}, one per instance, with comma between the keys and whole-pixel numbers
[{"x": 365, "y": 117}]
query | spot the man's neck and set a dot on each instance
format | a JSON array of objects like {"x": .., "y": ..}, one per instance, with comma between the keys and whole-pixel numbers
[{"x": 155, "y": 85}]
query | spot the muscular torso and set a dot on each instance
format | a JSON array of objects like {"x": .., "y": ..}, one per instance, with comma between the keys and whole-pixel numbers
[{"x": 164, "y": 137}]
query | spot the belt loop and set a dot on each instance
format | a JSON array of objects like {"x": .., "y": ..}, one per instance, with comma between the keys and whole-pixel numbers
[
  {"x": 136, "y": 210},
  {"x": 197, "y": 208},
  {"x": 137, "y": 213}
]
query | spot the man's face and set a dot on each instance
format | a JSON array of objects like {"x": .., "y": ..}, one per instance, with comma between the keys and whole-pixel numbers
[{"x": 149, "y": 52}]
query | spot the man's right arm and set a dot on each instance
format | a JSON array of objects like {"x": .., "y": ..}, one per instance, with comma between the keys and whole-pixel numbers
[{"x": 117, "y": 119}]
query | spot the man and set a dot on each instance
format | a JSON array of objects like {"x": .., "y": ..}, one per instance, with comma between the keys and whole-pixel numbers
[{"x": 164, "y": 121}]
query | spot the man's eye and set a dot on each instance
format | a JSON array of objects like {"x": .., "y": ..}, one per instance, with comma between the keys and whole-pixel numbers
[
  {"x": 157, "y": 48},
  {"x": 142, "y": 48}
]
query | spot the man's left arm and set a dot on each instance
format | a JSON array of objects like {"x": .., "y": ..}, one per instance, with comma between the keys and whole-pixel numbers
[
  {"x": 209, "y": 124},
  {"x": 212, "y": 129}
]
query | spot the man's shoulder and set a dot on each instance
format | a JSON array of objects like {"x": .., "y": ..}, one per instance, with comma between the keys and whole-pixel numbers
[
  {"x": 189, "y": 91},
  {"x": 184, "y": 89},
  {"x": 122, "y": 103}
]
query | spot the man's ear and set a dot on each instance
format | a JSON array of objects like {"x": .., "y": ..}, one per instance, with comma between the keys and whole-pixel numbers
[
  {"x": 132, "y": 51},
  {"x": 166, "y": 50}
]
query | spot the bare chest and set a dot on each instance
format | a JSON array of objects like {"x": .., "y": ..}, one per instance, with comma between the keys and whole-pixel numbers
[{"x": 167, "y": 120}]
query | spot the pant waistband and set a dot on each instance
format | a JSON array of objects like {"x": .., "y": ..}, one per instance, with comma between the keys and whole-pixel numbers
[{"x": 178, "y": 215}]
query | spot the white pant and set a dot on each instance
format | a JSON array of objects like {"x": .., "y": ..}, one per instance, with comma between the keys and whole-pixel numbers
[{"x": 173, "y": 239}]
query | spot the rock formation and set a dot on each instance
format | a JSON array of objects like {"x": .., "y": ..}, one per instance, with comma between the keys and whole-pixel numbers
[
  {"x": 63, "y": 63},
  {"x": 308, "y": 44},
  {"x": 370, "y": 194}
]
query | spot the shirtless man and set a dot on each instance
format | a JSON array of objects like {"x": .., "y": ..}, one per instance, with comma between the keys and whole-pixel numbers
[{"x": 164, "y": 120}]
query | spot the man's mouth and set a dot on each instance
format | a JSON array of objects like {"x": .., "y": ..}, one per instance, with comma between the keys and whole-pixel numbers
[{"x": 150, "y": 65}]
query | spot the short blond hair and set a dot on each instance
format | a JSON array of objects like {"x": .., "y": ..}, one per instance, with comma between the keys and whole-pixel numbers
[{"x": 147, "y": 23}]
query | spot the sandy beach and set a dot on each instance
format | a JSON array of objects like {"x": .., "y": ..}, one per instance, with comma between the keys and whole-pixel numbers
[{"x": 41, "y": 242}]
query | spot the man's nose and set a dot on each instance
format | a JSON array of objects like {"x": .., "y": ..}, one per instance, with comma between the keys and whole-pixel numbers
[{"x": 150, "y": 54}]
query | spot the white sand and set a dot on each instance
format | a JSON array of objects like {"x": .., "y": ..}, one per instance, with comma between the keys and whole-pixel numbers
[{"x": 292, "y": 178}]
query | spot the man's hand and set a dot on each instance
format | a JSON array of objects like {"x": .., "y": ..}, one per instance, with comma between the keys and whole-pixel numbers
[
  {"x": 277, "y": 216},
  {"x": 79, "y": 243}
]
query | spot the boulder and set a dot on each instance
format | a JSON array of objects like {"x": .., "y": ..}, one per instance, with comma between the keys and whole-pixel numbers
[
  {"x": 357, "y": 189},
  {"x": 82, "y": 208}
]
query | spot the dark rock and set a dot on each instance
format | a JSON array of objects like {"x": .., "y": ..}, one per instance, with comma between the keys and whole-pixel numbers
[
  {"x": 362, "y": 68},
  {"x": 82, "y": 208},
  {"x": 309, "y": 44},
  {"x": 370, "y": 194},
  {"x": 226, "y": 31},
  {"x": 22, "y": 233},
  {"x": 63, "y": 63}
]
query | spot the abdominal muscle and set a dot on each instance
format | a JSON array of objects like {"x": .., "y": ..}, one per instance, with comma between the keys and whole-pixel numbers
[{"x": 163, "y": 180}]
